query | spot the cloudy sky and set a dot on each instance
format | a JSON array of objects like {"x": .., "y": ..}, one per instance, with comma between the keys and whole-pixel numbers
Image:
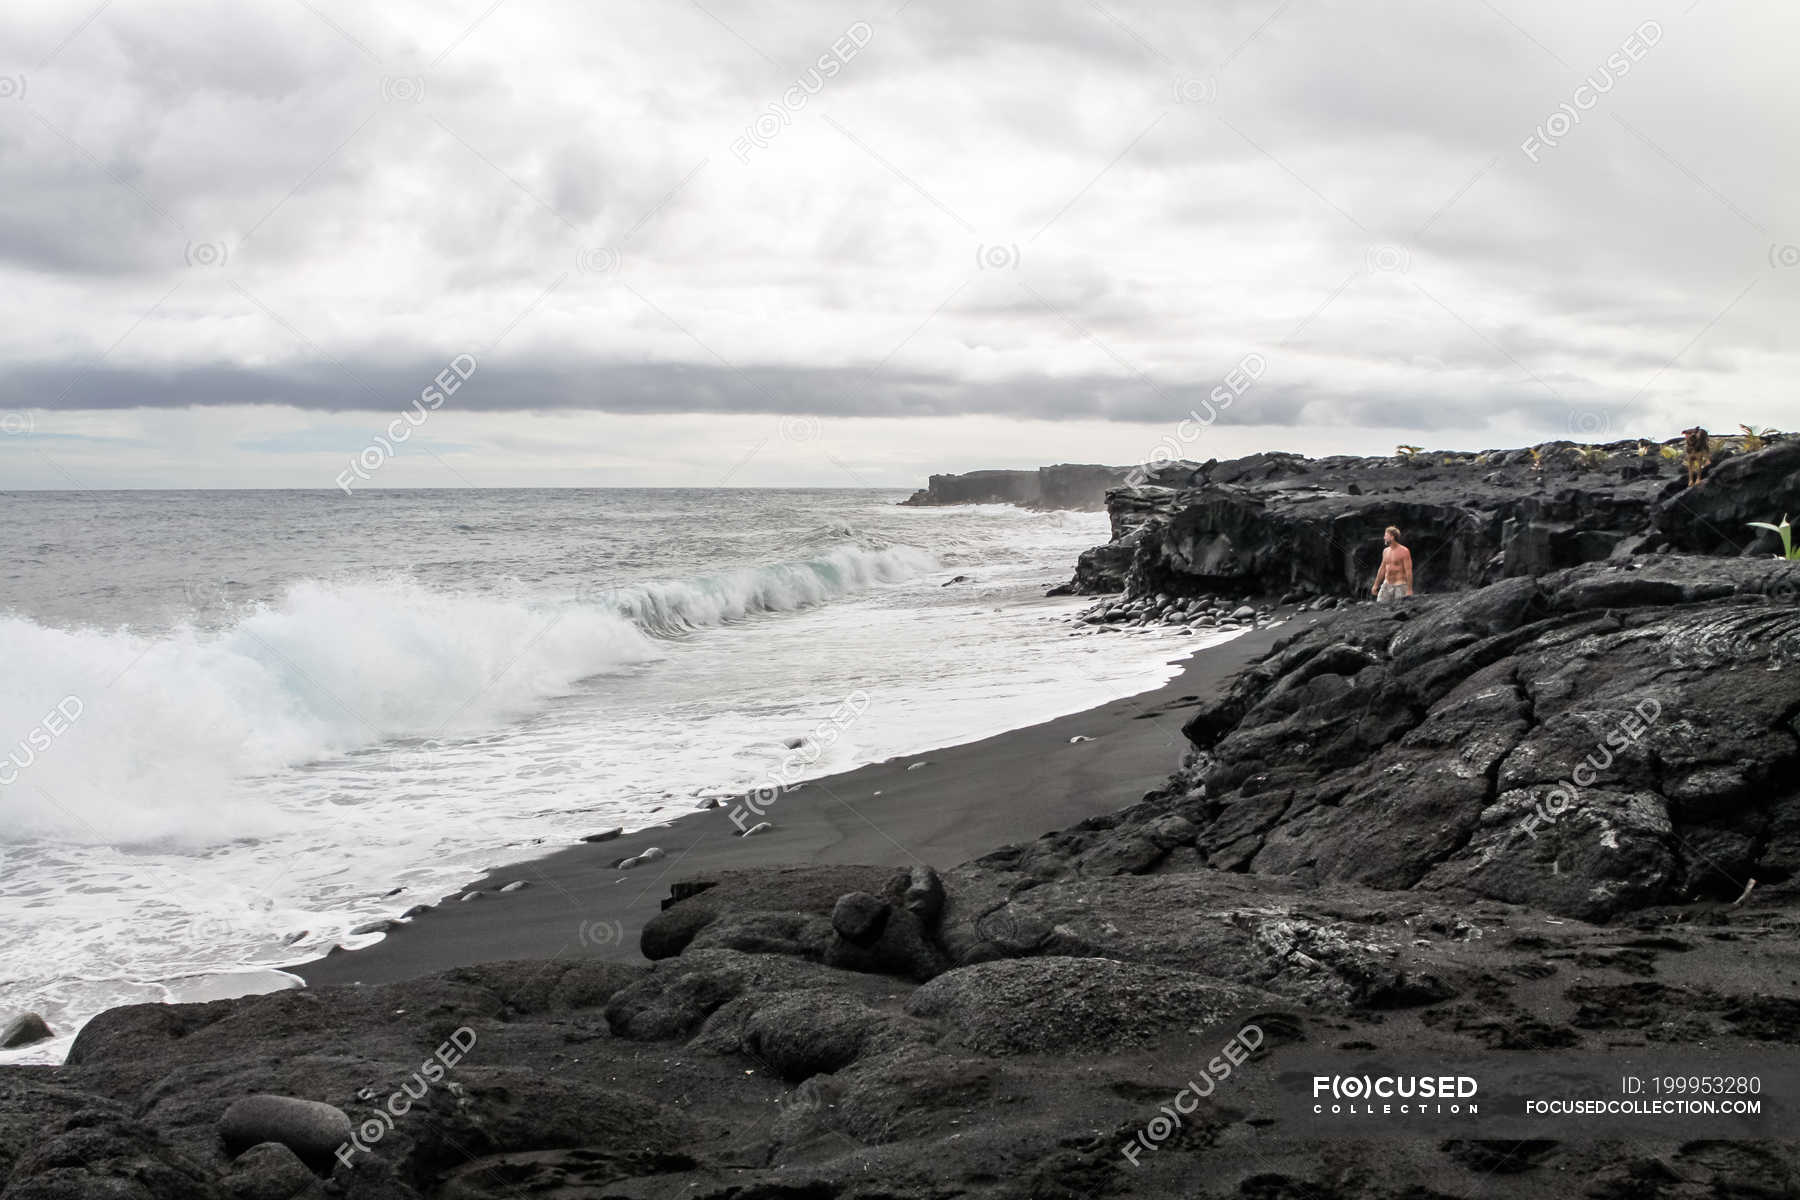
[{"x": 693, "y": 242}]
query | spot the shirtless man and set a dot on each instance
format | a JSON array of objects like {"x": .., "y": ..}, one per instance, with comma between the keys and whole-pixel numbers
[{"x": 1393, "y": 578}]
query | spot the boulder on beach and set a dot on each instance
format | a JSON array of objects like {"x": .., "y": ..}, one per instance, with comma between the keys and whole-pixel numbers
[
  {"x": 24, "y": 1030},
  {"x": 312, "y": 1129}
]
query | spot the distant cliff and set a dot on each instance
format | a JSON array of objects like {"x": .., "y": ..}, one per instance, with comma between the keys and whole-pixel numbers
[{"x": 1066, "y": 485}]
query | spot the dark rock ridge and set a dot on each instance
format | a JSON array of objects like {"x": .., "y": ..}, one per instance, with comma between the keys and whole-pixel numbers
[
  {"x": 1281, "y": 525},
  {"x": 1361, "y": 852},
  {"x": 1599, "y": 740},
  {"x": 1067, "y": 485}
]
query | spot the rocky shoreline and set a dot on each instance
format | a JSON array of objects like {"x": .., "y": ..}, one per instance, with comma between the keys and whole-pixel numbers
[
  {"x": 1549, "y": 808},
  {"x": 1282, "y": 525}
]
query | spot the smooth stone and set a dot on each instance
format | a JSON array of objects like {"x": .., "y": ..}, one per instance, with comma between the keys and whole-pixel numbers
[
  {"x": 860, "y": 917},
  {"x": 24, "y": 1030},
  {"x": 311, "y": 1129}
]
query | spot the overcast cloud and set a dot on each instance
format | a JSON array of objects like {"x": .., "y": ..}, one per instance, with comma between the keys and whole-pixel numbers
[{"x": 238, "y": 237}]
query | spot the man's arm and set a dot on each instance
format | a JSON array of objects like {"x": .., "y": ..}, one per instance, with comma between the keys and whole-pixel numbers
[
  {"x": 1380, "y": 570},
  {"x": 1406, "y": 556}
]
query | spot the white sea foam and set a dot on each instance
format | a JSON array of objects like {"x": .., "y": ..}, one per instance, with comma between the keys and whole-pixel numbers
[
  {"x": 241, "y": 790},
  {"x": 166, "y": 724}
]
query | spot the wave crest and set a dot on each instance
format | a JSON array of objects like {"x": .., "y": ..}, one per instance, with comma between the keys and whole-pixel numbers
[{"x": 165, "y": 726}]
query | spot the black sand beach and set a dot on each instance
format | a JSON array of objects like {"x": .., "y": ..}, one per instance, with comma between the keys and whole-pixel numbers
[{"x": 964, "y": 801}]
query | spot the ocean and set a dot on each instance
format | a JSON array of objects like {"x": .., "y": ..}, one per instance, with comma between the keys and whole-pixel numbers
[{"x": 236, "y": 725}]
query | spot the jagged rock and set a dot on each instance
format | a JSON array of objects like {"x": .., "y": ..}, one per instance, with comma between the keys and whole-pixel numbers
[
  {"x": 677, "y": 994},
  {"x": 1411, "y": 751},
  {"x": 271, "y": 1171},
  {"x": 1042, "y": 1005},
  {"x": 1713, "y": 517},
  {"x": 920, "y": 890},
  {"x": 695, "y": 903},
  {"x": 1281, "y": 524},
  {"x": 99, "y": 1154},
  {"x": 801, "y": 1034},
  {"x": 802, "y": 935},
  {"x": 903, "y": 947}
]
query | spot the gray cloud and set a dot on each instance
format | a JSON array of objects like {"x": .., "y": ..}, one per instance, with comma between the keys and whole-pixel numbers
[{"x": 1010, "y": 208}]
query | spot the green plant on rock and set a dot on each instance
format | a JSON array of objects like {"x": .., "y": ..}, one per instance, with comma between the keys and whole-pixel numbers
[
  {"x": 1785, "y": 530},
  {"x": 1537, "y": 459},
  {"x": 1670, "y": 453},
  {"x": 1756, "y": 438},
  {"x": 1591, "y": 456},
  {"x": 1406, "y": 452}
]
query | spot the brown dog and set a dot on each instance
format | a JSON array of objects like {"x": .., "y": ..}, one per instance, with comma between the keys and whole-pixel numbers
[{"x": 1699, "y": 453}]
